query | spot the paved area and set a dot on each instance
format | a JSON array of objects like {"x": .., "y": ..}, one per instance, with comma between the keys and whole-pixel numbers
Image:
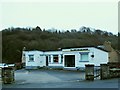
[{"x": 57, "y": 79}]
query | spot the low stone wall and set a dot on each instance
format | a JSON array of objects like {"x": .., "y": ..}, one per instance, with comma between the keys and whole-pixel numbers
[
  {"x": 114, "y": 69},
  {"x": 111, "y": 70},
  {"x": 115, "y": 72}
]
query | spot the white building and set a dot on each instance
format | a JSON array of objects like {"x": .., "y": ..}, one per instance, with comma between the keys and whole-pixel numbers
[
  {"x": 78, "y": 57},
  {"x": 34, "y": 59},
  {"x": 66, "y": 58}
]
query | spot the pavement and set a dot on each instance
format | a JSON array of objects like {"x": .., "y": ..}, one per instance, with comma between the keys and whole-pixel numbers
[{"x": 57, "y": 79}]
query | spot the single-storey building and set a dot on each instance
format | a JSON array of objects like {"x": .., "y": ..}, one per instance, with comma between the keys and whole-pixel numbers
[
  {"x": 72, "y": 57},
  {"x": 78, "y": 57}
]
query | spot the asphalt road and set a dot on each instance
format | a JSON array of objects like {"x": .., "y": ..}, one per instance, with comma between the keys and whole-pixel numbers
[{"x": 57, "y": 79}]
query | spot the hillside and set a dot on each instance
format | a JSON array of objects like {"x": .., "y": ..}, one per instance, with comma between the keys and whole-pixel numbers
[{"x": 14, "y": 39}]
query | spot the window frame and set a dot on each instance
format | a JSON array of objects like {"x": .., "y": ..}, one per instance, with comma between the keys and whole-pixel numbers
[
  {"x": 32, "y": 55},
  {"x": 81, "y": 57},
  {"x": 57, "y": 58}
]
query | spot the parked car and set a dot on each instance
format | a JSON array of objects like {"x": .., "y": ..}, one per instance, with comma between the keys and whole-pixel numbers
[{"x": 2, "y": 65}]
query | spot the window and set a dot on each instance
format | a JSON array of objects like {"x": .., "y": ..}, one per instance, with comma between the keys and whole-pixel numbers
[
  {"x": 31, "y": 58},
  {"x": 84, "y": 57},
  {"x": 55, "y": 58},
  {"x": 24, "y": 55}
]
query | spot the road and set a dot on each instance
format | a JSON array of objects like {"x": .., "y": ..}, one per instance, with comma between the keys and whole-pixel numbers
[{"x": 57, "y": 79}]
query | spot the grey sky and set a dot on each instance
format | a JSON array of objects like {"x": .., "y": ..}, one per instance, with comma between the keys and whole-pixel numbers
[{"x": 61, "y": 15}]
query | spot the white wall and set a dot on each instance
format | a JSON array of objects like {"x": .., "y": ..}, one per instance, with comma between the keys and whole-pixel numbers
[
  {"x": 99, "y": 58},
  {"x": 39, "y": 59}
]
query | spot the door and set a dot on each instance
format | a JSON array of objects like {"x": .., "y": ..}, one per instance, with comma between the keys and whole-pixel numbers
[
  {"x": 69, "y": 60},
  {"x": 46, "y": 60}
]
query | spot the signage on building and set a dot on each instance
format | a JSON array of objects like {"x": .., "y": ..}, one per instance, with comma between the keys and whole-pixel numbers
[{"x": 79, "y": 49}]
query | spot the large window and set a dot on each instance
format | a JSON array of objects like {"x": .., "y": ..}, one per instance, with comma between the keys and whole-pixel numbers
[
  {"x": 84, "y": 57},
  {"x": 55, "y": 58},
  {"x": 31, "y": 58}
]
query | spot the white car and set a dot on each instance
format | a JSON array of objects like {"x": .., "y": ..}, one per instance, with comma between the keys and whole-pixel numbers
[{"x": 2, "y": 65}]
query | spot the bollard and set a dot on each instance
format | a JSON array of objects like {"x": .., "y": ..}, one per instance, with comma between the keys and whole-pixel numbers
[
  {"x": 104, "y": 71},
  {"x": 89, "y": 72},
  {"x": 8, "y": 75}
]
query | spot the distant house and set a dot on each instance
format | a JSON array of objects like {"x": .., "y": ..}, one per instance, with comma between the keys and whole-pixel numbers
[
  {"x": 113, "y": 54},
  {"x": 74, "y": 57}
]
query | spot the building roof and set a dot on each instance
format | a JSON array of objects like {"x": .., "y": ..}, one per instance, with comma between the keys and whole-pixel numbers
[
  {"x": 77, "y": 47},
  {"x": 102, "y": 49},
  {"x": 32, "y": 50},
  {"x": 87, "y": 47},
  {"x": 60, "y": 49},
  {"x": 42, "y": 50}
]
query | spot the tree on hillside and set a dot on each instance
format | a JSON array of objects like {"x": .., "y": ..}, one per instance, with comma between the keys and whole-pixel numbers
[{"x": 14, "y": 39}]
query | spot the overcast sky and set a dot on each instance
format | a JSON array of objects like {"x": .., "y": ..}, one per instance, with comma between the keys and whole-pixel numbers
[{"x": 63, "y": 15}]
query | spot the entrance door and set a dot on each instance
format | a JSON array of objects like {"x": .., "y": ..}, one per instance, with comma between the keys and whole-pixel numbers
[
  {"x": 69, "y": 60},
  {"x": 46, "y": 60}
]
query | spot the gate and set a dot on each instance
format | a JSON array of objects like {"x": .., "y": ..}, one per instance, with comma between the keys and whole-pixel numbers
[
  {"x": 97, "y": 72},
  {"x": 105, "y": 71}
]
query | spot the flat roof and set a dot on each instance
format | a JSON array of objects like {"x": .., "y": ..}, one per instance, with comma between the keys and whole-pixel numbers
[
  {"x": 86, "y": 47},
  {"x": 60, "y": 49}
]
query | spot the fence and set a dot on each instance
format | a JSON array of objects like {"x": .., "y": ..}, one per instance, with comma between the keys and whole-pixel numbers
[{"x": 106, "y": 71}]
